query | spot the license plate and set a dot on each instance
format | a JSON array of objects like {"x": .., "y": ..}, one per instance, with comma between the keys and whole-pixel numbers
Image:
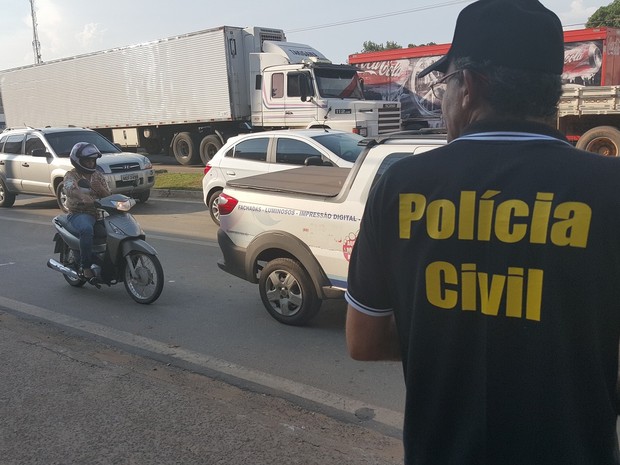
[{"x": 129, "y": 177}]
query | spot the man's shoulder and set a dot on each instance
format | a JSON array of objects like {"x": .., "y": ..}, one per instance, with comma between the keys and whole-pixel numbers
[{"x": 71, "y": 173}]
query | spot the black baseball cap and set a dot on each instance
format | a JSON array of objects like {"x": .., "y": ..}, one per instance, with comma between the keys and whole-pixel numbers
[{"x": 520, "y": 34}]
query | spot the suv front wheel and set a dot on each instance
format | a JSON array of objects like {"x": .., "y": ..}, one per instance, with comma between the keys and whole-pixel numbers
[{"x": 61, "y": 197}]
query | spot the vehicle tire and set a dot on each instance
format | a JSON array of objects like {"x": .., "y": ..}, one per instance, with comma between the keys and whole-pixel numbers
[
  {"x": 214, "y": 211},
  {"x": 604, "y": 140},
  {"x": 61, "y": 197},
  {"x": 287, "y": 292},
  {"x": 184, "y": 149},
  {"x": 68, "y": 259},
  {"x": 148, "y": 283},
  {"x": 7, "y": 199},
  {"x": 209, "y": 145},
  {"x": 142, "y": 196},
  {"x": 152, "y": 146}
]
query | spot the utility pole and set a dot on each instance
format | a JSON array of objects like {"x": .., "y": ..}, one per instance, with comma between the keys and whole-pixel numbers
[{"x": 36, "y": 45}]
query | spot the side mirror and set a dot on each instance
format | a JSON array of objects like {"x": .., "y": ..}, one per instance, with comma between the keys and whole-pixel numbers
[
  {"x": 40, "y": 153},
  {"x": 313, "y": 161}
]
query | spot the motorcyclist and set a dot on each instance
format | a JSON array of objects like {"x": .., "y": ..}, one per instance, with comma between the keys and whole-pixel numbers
[{"x": 83, "y": 185}]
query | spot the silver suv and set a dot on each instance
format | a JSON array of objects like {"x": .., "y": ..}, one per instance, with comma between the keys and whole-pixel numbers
[{"x": 34, "y": 161}]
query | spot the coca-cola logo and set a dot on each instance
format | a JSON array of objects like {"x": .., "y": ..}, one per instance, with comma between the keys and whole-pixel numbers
[
  {"x": 576, "y": 54},
  {"x": 386, "y": 68}
]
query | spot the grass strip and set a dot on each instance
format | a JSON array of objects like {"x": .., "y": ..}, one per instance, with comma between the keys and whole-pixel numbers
[{"x": 178, "y": 181}]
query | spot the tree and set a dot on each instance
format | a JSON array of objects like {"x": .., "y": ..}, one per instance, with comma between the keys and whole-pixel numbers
[
  {"x": 606, "y": 16},
  {"x": 370, "y": 46},
  {"x": 421, "y": 45}
]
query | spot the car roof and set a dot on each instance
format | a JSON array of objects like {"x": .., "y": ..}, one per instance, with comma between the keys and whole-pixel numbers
[
  {"x": 46, "y": 130},
  {"x": 291, "y": 132}
]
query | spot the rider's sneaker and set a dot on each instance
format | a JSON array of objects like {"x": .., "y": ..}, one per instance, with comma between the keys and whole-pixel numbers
[{"x": 88, "y": 273}]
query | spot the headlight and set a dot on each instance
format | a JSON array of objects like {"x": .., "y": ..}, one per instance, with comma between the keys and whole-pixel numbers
[{"x": 125, "y": 205}]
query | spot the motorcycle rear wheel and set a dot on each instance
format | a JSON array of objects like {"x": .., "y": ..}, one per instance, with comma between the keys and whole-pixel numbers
[
  {"x": 66, "y": 259},
  {"x": 148, "y": 281}
]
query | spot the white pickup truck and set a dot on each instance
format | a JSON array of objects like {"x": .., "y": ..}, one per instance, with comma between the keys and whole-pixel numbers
[{"x": 292, "y": 232}]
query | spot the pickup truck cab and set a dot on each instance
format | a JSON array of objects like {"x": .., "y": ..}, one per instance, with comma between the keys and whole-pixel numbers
[
  {"x": 34, "y": 161},
  {"x": 292, "y": 232}
]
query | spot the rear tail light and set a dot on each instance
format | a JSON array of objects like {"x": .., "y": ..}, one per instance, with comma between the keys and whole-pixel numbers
[
  {"x": 207, "y": 168},
  {"x": 226, "y": 204},
  {"x": 361, "y": 131}
]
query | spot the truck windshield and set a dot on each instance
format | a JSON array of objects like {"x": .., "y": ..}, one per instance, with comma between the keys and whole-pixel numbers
[
  {"x": 339, "y": 83},
  {"x": 63, "y": 142}
]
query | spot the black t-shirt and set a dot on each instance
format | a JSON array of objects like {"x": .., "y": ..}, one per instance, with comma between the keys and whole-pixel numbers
[{"x": 499, "y": 255}]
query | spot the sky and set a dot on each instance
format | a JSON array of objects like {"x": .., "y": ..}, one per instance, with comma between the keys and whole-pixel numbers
[{"x": 336, "y": 28}]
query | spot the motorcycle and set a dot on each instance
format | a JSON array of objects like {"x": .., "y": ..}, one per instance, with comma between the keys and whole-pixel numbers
[{"x": 120, "y": 252}]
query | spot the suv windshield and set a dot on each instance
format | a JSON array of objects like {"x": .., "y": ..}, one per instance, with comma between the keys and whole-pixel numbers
[
  {"x": 343, "y": 145},
  {"x": 63, "y": 142},
  {"x": 340, "y": 83}
]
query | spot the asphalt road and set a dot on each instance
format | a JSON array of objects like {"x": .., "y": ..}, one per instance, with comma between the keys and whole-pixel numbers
[{"x": 205, "y": 321}]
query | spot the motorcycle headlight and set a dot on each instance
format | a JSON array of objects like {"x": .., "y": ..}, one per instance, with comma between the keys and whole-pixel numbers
[{"x": 125, "y": 205}]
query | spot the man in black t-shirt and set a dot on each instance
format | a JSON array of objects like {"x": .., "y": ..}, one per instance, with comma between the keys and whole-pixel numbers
[{"x": 491, "y": 266}]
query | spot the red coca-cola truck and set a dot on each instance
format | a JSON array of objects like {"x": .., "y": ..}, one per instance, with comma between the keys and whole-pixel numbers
[{"x": 589, "y": 110}]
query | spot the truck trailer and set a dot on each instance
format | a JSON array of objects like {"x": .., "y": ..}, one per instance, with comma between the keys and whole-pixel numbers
[
  {"x": 190, "y": 93},
  {"x": 589, "y": 109}
]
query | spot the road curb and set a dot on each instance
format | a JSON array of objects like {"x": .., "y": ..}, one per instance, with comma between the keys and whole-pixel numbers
[{"x": 176, "y": 194}]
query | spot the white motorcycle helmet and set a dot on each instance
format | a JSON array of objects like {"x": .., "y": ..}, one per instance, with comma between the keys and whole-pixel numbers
[{"x": 82, "y": 151}]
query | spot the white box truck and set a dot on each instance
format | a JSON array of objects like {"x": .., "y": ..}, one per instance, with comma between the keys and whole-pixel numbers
[{"x": 190, "y": 93}]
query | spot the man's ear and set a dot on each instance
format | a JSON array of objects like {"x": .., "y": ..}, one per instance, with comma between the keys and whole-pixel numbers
[{"x": 472, "y": 92}]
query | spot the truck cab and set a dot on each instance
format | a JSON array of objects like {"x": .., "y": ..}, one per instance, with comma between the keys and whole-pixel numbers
[{"x": 295, "y": 86}]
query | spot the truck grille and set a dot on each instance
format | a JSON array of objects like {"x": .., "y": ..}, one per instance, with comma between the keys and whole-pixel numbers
[
  {"x": 389, "y": 120},
  {"x": 124, "y": 167}
]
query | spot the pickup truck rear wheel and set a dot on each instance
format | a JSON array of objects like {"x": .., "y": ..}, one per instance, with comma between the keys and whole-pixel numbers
[
  {"x": 287, "y": 292},
  {"x": 213, "y": 206},
  {"x": 7, "y": 199},
  {"x": 61, "y": 197}
]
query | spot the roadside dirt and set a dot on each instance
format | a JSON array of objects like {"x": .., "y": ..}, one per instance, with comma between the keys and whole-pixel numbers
[{"x": 70, "y": 399}]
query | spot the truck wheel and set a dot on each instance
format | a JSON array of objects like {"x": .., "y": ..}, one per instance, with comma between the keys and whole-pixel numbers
[
  {"x": 61, "y": 197},
  {"x": 209, "y": 145},
  {"x": 152, "y": 146},
  {"x": 213, "y": 206},
  {"x": 287, "y": 292},
  {"x": 604, "y": 140},
  {"x": 7, "y": 199},
  {"x": 184, "y": 149}
]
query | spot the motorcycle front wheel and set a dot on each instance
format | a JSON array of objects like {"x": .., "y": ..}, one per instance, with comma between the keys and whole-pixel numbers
[
  {"x": 144, "y": 278},
  {"x": 68, "y": 258}
]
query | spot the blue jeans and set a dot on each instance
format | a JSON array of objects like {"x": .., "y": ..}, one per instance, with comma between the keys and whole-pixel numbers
[{"x": 84, "y": 224}]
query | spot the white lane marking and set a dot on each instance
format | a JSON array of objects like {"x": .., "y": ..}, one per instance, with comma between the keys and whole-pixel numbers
[
  {"x": 183, "y": 240},
  {"x": 382, "y": 415},
  {"x": 6, "y": 264}
]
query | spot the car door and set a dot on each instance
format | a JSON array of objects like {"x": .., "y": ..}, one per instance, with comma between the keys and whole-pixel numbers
[
  {"x": 292, "y": 153},
  {"x": 246, "y": 158},
  {"x": 35, "y": 169},
  {"x": 10, "y": 164}
]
